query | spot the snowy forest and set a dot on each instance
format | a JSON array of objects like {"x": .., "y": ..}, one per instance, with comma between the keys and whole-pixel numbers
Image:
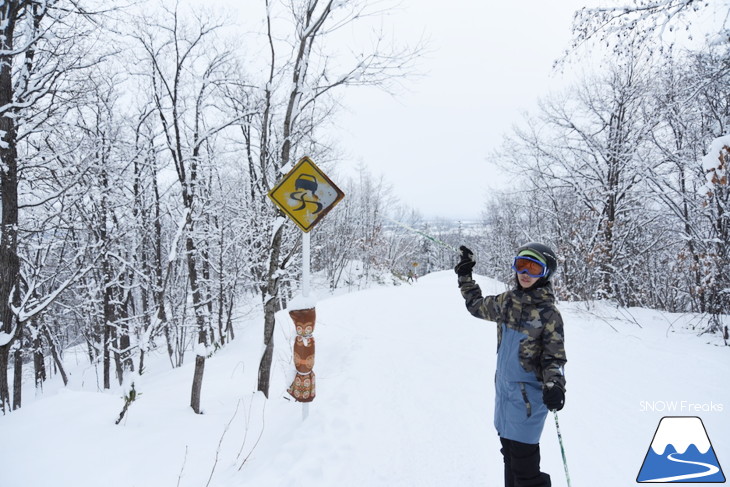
[{"x": 139, "y": 142}]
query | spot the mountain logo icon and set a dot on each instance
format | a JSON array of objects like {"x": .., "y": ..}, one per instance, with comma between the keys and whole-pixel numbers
[{"x": 680, "y": 452}]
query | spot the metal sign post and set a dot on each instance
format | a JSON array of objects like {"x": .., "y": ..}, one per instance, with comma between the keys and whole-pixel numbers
[
  {"x": 305, "y": 195},
  {"x": 306, "y": 261}
]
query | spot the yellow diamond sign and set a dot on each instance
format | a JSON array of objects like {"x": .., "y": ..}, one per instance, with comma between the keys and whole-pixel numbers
[{"x": 306, "y": 194}]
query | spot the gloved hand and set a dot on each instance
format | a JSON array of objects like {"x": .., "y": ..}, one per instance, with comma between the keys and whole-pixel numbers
[
  {"x": 553, "y": 396},
  {"x": 467, "y": 262}
]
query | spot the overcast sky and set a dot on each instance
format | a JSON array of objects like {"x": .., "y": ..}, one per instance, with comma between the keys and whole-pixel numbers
[{"x": 489, "y": 62}]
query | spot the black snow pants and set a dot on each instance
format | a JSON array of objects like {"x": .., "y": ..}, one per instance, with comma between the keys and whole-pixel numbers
[{"x": 522, "y": 465}]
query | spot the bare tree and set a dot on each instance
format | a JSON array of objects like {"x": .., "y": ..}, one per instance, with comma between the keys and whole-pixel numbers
[
  {"x": 288, "y": 128},
  {"x": 647, "y": 22},
  {"x": 692, "y": 183},
  {"x": 39, "y": 49},
  {"x": 185, "y": 70},
  {"x": 586, "y": 148}
]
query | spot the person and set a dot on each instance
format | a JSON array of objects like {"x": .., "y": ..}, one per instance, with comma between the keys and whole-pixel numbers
[{"x": 529, "y": 378}]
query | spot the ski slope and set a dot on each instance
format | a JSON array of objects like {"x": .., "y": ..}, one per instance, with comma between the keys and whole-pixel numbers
[{"x": 404, "y": 398}]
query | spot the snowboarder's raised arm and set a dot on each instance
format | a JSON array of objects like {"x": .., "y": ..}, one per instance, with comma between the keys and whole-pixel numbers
[{"x": 486, "y": 308}]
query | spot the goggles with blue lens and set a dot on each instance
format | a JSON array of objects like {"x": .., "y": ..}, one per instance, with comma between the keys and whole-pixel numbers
[{"x": 528, "y": 265}]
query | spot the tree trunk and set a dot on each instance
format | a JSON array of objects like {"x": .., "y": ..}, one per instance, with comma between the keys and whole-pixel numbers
[
  {"x": 200, "y": 319},
  {"x": 267, "y": 357},
  {"x": 39, "y": 363},
  {"x": 270, "y": 309},
  {"x": 197, "y": 383},
  {"x": 229, "y": 317},
  {"x": 122, "y": 354},
  {"x": 221, "y": 284},
  {"x": 160, "y": 280},
  {"x": 18, "y": 372},
  {"x": 54, "y": 354},
  {"x": 106, "y": 360},
  {"x": 9, "y": 262},
  {"x": 5, "y": 387}
]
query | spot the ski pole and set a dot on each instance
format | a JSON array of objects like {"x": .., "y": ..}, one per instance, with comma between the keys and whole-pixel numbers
[
  {"x": 423, "y": 234},
  {"x": 562, "y": 449}
]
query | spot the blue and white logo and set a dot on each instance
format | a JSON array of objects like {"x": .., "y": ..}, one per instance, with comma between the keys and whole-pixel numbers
[{"x": 680, "y": 452}]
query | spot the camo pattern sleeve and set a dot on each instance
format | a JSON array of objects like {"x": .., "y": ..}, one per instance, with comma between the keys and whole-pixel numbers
[
  {"x": 486, "y": 308},
  {"x": 553, "y": 357}
]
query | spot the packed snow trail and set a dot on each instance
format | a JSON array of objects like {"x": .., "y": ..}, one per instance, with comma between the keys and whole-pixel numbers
[{"x": 405, "y": 393}]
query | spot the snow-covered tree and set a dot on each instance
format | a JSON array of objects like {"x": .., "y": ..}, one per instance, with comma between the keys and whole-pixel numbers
[
  {"x": 185, "y": 72},
  {"x": 655, "y": 24},
  {"x": 588, "y": 143},
  {"x": 42, "y": 45},
  {"x": 304, "y": 73}
]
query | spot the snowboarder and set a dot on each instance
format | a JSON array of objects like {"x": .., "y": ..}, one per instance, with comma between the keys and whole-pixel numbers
[{"x": 529, "y": 379}]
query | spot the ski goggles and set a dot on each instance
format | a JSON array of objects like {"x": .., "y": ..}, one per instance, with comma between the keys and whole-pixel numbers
[{"x": 528, "y": 265}]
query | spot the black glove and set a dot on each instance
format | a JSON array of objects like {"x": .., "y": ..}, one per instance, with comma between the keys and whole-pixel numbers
[
  {"x": 553, "y": 396},
  {"x": 467, "y": 262}
]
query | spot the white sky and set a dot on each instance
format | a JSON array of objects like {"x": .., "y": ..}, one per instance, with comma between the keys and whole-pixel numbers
[{"x": 489, "y": 62}]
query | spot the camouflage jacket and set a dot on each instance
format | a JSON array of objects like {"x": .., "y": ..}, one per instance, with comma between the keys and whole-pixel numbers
[{"x": 533, "y": 314}]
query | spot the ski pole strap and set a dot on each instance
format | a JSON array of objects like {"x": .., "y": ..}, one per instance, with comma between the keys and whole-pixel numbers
[{"x": 562, "y": 449}]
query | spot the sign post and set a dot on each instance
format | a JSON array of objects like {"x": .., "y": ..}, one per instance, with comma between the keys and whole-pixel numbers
[
  {"x": 306, "y": 261},
  {"x": 305, "y": 195}
]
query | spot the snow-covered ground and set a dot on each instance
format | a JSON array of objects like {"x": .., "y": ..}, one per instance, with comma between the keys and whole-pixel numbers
[{"x": 404, "y": 398}]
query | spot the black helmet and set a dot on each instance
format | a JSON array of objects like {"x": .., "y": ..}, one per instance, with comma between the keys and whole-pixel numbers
[{"x": 545, "y": 252}]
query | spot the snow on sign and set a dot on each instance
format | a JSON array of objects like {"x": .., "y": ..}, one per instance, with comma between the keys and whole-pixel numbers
[
  {"x": 306, "y": 194},
  {"x": 680, "y": 452}
]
